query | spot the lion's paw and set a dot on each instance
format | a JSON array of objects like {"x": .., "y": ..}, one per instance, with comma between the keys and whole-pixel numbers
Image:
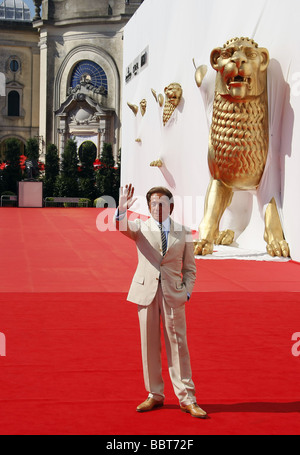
[
  {"x": 278, "y": 248},
  {"x": 203, "y": 247},
  {"x": 224, "y": 237}
]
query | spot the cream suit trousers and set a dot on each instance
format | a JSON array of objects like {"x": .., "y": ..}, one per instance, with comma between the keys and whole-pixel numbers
[{"x": 174, "y": 327}]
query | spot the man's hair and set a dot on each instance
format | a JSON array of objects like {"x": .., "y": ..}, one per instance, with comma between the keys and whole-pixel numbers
[{"x": 159, "y": 189}]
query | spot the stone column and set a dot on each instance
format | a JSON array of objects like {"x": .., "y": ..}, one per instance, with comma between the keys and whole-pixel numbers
[
  {"x": 99, "y": 144},
  {"x": 101, "y": 131},
  {"x": 61, "y": 140}
]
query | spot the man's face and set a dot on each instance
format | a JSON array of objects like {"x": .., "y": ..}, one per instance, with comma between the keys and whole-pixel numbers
[{"x": 160, "y": 207}]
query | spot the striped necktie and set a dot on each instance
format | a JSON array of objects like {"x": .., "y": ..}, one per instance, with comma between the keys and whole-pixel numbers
[{"x": 163, "y": 239}]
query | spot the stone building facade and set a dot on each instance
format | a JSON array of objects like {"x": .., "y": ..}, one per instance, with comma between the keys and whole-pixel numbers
[
  {"x": 20, "y": 64},
  {"x": 69, "y": 81}
]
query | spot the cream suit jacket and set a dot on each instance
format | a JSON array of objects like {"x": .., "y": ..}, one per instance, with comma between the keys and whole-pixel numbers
[{"x": 176, "y": 270}]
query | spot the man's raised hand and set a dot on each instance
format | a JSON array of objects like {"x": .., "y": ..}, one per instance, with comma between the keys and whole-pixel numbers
[{"x": 126, "y": 199}]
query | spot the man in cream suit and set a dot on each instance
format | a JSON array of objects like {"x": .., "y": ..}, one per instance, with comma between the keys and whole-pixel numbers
[{"x": 161, "y": 285}]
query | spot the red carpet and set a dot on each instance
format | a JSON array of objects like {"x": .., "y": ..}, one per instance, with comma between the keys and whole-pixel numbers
[{"x": 72, "y": 363}]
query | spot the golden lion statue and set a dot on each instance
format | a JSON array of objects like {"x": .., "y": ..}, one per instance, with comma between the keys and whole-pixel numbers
[{"x": 238, "y": 141}]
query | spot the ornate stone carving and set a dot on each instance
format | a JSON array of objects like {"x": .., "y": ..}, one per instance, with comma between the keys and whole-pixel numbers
[{"x": 37, "y": 4}]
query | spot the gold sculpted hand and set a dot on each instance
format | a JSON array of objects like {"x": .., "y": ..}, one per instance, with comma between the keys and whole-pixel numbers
[
  {"x": 126, "y": 199},
  {"x": 133, "y": 107},
  {"x": 199, "y": 73}
]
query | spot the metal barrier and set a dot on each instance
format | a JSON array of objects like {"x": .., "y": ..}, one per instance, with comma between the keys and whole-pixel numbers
[
  {"x": 66, "y": 202},
  {"x": 13, "y": 200}
]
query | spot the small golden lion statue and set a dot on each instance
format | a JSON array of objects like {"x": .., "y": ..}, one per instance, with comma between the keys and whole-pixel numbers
[{"x": 238, "y": 141}]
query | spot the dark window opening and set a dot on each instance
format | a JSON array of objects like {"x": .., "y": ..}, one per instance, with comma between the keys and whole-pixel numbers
[{"x": 13, "y": 104}]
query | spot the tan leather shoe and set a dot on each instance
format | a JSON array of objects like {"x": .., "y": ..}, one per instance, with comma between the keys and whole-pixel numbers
[
  {"x": 149, "y": 404},
  {"x": 195, "y": 410}
]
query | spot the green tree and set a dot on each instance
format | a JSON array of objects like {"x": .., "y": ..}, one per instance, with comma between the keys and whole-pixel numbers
[
  {"x": 87, "y": 156},
  {"x": 107, "y": 158},
  {"x": 66, "y": 184},
  {"x": 32, "y": 149},
  {"x": 107, "y": 175},
  {"x": 51, "y": 170},
  {"x": 12, "y": 174}
]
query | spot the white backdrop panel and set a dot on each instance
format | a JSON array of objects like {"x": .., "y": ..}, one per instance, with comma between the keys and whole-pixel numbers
[{"x": 176, "y": 32}]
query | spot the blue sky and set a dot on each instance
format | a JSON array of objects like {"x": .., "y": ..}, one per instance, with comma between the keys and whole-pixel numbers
[{"x": 31, "y": 6}]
